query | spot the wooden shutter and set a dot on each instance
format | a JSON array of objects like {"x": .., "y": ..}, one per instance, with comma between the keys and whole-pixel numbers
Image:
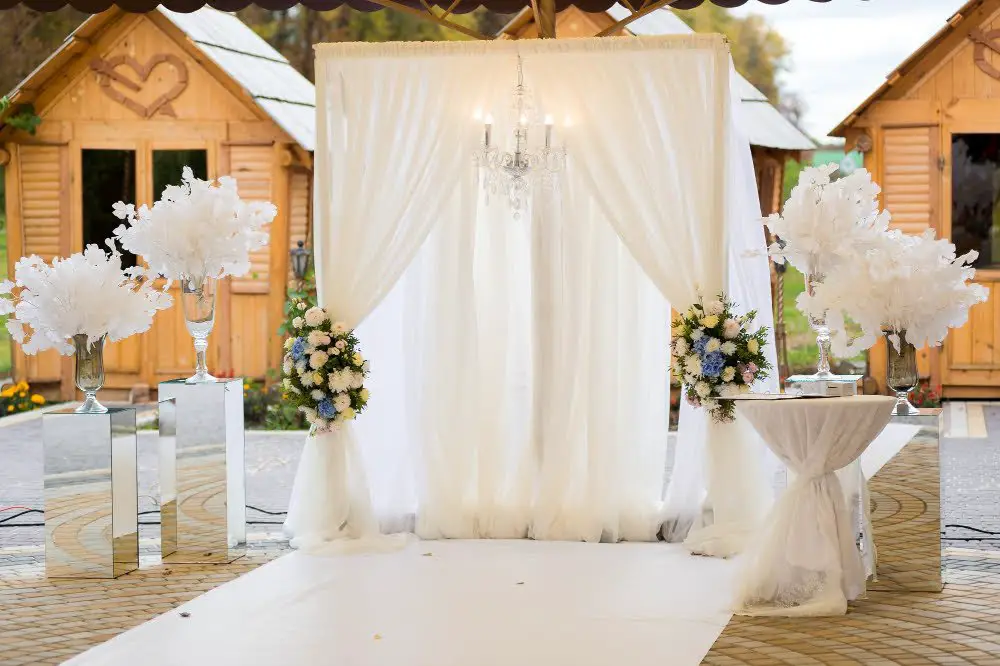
[
  {"x": 42, "y": 200},
  {"x": 298, "y": 210},
  {"x": 252, "y": 167},
  {"x": 910, "y": 177}
]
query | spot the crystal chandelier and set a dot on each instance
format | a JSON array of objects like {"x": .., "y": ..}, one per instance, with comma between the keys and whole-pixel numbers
[{"x": 514, "y": 173}]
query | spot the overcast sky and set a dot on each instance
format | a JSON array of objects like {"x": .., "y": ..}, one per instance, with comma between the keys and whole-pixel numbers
[{"x": 842, "y": 50}]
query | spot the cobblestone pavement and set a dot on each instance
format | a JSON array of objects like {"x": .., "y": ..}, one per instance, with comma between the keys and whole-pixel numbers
[
  {"x": 970, "y": 470},
  {"x": 271, "y": 459}
]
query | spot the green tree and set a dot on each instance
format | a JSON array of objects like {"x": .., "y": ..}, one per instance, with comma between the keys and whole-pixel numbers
[
  {"x": 295, "y": 31},
  {"x": 28, "y": 37},
  {"x": 759, "y": 52}
]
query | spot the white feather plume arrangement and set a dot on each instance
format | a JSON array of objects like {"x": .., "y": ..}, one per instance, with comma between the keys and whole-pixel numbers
[
  {"x": 86, "y": 293},
  {"x": 902, "y": 283},
  {"x": 196, "y": 229},
  {"x": 825, "y": 223}
]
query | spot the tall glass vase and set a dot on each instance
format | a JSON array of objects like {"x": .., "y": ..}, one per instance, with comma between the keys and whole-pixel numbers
[
  {"x": 901, "y": 372},
  {"x": 89, "y": 372},
  {"x": 198, "y": 304},
  {"x": 822, "y": 330}
]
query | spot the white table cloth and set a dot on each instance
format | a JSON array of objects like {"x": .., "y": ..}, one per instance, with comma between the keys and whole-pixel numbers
[{"x": 805, "y": 561}]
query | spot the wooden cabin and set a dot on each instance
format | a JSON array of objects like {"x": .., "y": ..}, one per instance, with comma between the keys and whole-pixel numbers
[
  {"x": 931, "y": 137},
  {"x": 125, "y": 102},
  {"x": 773, "y": 138}
]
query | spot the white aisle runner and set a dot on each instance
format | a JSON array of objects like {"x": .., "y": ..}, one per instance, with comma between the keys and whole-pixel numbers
[{"x": 450, "y": 603}]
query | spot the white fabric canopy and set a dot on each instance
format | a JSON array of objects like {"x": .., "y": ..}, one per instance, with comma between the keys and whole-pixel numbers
[
  {"x": 806, "y": 562},
  {"x": 519, "y": 366}
]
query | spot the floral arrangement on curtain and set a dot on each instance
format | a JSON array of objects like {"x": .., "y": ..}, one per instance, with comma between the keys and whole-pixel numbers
[
  {"x": 324, "y": 371},
  {"x": 716, "y": 354}
]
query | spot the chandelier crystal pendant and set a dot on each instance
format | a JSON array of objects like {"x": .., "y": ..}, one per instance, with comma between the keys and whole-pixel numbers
[{"x": 515, "y": 173}]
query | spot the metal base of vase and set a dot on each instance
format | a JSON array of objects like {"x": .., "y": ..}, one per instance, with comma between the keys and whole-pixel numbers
[
  {"x": 903, "y": 407},
  {"x": 91, "y": 406},
  {"x": 200, "y": 378}
]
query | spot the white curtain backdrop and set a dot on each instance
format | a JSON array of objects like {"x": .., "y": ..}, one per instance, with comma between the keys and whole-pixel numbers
[{"x": 519, "y": 365}]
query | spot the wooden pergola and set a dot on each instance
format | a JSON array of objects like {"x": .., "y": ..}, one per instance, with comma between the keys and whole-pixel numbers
[{"x": 437, "y": 11}]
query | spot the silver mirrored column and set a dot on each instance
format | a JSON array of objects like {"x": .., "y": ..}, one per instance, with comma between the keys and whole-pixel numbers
[
  {"x": 91, "y": 494},
  {"x": 906, "y": 509},
  {"x": 203, "y": 514}
]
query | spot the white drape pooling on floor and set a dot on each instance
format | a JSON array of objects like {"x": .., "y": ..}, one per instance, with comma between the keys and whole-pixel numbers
[
  {"x": 805, "y": 561},
  {"x": 519, "y": 366}
]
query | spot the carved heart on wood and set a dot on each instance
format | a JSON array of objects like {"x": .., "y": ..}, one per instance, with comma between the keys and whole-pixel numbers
[
  {"x": 985, "y": 40},
  {"x": 108, "y": 71}
]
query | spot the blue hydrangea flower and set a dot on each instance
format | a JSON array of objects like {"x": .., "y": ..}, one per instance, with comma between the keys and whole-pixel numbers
[
  {"x": 699, "y": 345},
  {"x": 326, "y": 409},
  {"x": 298, "y": 349},
  {"x": 712, "y": 364}
]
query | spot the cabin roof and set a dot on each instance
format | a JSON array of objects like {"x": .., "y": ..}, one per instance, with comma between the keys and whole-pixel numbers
[
  {"x": 763, "y": 124},
  {"x": 276, "y": 87},
  {"x": 938, "y": 47}
]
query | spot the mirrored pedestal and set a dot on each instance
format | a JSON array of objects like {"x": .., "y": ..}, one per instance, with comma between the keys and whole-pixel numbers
[
  {"x": 832, "y": 386},
  {"x": 906, "y": 510},
  {"x": 202, "y": 487},
  {"x": 91, "y": 494}
]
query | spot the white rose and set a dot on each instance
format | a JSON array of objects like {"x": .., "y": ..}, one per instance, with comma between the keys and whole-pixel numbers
[
  {"x": 690, "y": 379},
  {"x": 681, "y": 347},
  {"x": 307, "y": 379},
  {"x": 728, "y": 348},
  {"x": 714, "y": 308},
  {"x": 713, "y": 345},
  {"x": 342, "y": 401},
  {"x": 731, "y": 329},
  {"x": 697, "y": 334},
  {"x": 318, "y": 338},
  {"x": 287, "y": 366},
  {"x": 339, "y": 328},
  {"x": 297, "y": 322},
  {"x": 341, "y": 344},
  {"x": 357, "y": 380},
  {"x": 318, "y": 360},
  {"x": 693, "y": 364},
  {"x": 302, "y": 306},
  {"x": 729, "y": 374},
  {"x": 315, "y": 316},
  {"x": 334, "y": 351},
  {"x": 317, "y": 395},
  {"x": 702, "y": 389}
]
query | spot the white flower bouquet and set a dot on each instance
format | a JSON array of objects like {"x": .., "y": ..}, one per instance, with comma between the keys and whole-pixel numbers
[
  {"x": 826, "y": 223},
  {"x": 196, "y": 230},
  {"x": 87, "y": 293},
  {"x": 323, "y": 369},
  {"x": 904, "y": 283},
  {"x": 715, "y": 354}
]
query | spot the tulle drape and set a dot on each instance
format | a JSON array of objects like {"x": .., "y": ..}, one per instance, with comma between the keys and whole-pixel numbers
[{"x": 519, "y": 364}]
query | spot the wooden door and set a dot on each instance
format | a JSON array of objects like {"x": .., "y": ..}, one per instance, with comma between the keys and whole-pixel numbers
[
  {"x": 95, "y": 163},
  {"x": 971, "y": 366}
]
